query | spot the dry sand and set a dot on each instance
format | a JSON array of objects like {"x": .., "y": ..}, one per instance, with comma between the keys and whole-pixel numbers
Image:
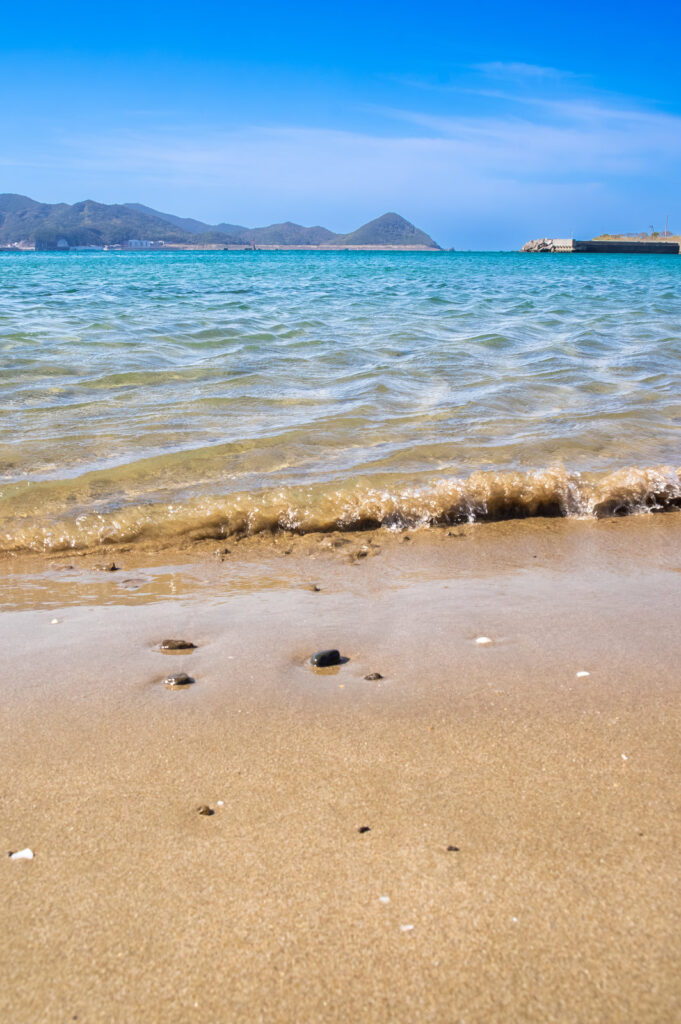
[{"x": 560, "y": 793}]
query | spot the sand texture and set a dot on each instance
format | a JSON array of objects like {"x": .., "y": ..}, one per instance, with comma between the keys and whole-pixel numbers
[{"x": 559, "y": 793}]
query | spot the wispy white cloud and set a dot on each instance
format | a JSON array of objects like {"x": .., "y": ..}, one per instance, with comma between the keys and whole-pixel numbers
[
  {"x": 570, "y": 137},
  {"x": 553, "y": 139},
  {"x": 486, "y": 171},
  {"x": 531, "y": 161},
  {"x": 516, "y": 69}
]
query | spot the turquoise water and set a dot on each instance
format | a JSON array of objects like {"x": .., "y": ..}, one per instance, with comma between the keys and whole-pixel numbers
[{"x": 158, "y": 394}]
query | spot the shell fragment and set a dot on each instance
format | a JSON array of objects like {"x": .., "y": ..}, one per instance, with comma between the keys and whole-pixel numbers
[{"x": 22, "y": 855}]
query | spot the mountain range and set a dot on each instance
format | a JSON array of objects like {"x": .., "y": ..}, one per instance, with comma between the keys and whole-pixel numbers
[{"x": 49, "y": 225}]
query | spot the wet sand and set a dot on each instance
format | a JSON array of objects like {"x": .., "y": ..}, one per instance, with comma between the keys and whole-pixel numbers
[{"x": 560, "y": 793}]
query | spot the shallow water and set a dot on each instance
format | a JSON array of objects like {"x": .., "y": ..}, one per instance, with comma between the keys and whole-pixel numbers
[{"x": 162, "y": 396}]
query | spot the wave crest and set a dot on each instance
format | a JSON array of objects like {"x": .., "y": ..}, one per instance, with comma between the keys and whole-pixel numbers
[{"x": 483, "y": 496}]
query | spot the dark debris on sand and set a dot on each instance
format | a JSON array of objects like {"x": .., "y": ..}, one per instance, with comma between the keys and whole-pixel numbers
[
  {"x": 179, "y": 681},
  {"x": 177, "y": 645},
  {"x": 326, "y": 659}
]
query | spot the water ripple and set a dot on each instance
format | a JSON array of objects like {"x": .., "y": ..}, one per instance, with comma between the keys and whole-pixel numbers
[{"x": 276, "y": 370}]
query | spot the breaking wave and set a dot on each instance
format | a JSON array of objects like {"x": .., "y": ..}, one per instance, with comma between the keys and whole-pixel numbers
[{"x": 481, "y": 497}]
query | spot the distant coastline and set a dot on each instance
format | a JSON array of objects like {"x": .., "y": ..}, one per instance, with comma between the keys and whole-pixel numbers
[
  {"x": 26, "y": 224},
  {"x": 168, "y": 247}
]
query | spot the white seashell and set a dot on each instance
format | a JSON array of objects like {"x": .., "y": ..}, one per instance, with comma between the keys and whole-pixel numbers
[
  {"x": 582, "y": 674},
  {"x": 483, "y": 640},
  {"x": 406, "y": 927},
  {"x": 54, "y": 622},
  {"x": 22, "y": 855},
  {"x": 384, "y": 899}
]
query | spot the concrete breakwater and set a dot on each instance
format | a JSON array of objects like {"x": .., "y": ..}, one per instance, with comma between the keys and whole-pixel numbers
[{"x": 597, "y": 245}]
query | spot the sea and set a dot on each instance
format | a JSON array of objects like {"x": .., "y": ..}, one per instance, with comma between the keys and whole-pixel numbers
[{"x": 162, "y": 398}]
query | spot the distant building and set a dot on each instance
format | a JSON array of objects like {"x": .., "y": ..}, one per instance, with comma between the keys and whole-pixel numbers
[{"x": 137, "y": 243}]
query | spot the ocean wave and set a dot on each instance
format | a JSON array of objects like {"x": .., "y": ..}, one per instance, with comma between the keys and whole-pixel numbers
[{"x": 481, "y": 497}]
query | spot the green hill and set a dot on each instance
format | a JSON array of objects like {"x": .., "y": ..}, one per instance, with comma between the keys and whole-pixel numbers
[
  {"x": 45, "y": 225},
  {"x": 390, "y": 229},
  {"x": 194, "y": 227},
  {"x": 289, "y": 234},
  {"x": 275, "y": 234},
  {"x": 86, "y": 223}
]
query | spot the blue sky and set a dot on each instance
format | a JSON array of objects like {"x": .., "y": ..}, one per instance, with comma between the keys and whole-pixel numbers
[{"x": 485, "y": 124}]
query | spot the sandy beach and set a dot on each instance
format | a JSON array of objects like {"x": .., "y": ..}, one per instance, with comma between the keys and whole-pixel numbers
[
  {"x": 520, "y": 853},
  {"x": 340, "y": 526}
]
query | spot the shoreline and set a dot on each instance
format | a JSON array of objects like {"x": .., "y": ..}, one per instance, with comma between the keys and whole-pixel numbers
[
  {"x": 59, "y": 516},
  {"x": 558, "y": 791}
]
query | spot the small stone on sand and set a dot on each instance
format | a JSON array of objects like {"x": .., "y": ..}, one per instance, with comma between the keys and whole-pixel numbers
[
  {"x": 177, "y": 645},
  {"x": 55, "y": 622},
  {"x": 483, "y": 640},
  {"x": 314, "y": 588},
  {"x": 406, "y": 927},
  {"x": 373, "y": 675},
  {"x": 205, "y": 810},
  {"x": 178, "y": 681},
  {"x": 582, "y": 674},
  {"x": 325, "y": 659},
  {"x": 364, "y": 828},
  {"x": 452, "y": 849},
  {"x": 22, "y": 855},
  {"x": 384, "y": 899}
]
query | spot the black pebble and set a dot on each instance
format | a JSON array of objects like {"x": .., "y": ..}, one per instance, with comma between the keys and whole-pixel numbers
[
  {"x": 452, "y": 849},
  {"x": 112, "y": 567},
  {"x": 179, "y": 679},
  {"x": 364, "y": 828},
  {"x": 177, "y": 645},
  {"x": 324, "y": 659},
  {"x": 314, "y": 588},
  {"x": 373, "y": 675}
]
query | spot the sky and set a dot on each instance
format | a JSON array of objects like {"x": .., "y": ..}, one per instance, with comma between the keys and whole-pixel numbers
[{"x": 486, "y": 124}]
